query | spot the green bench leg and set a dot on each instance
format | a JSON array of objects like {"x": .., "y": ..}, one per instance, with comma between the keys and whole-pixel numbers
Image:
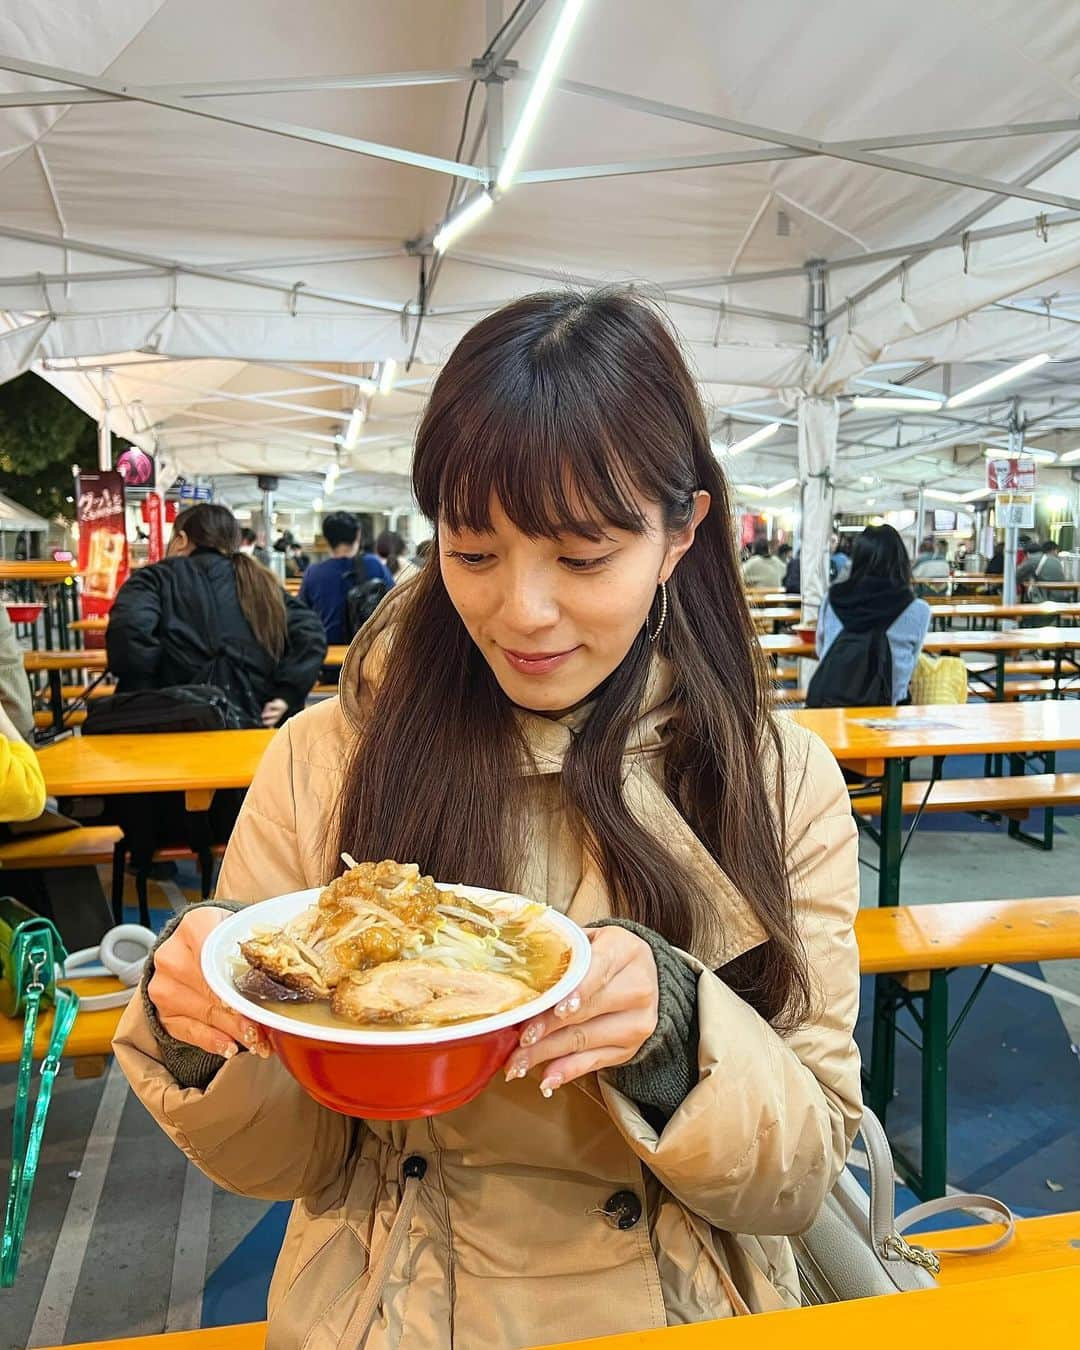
[
  {"x": 883, "y": 1048},
  {"x": 892, "y": 833},
  {"x": 935, "y": 1051},
  {"x": 1017, "y": 766}
]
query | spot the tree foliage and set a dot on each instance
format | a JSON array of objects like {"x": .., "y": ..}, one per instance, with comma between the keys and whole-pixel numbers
[{"x": 43, "y": 435}]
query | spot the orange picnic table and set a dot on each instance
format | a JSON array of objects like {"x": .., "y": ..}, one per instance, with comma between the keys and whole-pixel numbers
[
  {"x": 1036, "y": 1309},
  {"x": 876, "y": 741},
  {"x": 195, "y": 763}
]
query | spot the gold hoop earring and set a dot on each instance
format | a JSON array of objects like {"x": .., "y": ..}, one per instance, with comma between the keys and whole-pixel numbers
[{"x": 663, "y": 614}]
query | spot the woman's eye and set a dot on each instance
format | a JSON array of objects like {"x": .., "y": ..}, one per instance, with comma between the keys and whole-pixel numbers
[
  {"x": 586, "y": 564},
  {"x": 470, "y": 559}
]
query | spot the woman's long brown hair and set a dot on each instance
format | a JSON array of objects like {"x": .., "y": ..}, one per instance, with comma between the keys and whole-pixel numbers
[
  {"x": 556, "y": 400},
  {"x": 261, "y": 598}
]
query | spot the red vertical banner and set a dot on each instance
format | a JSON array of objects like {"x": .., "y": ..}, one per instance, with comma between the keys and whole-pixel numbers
[
  {"x": 153, "y": 514},
  {"x": 103, "y": 550}
]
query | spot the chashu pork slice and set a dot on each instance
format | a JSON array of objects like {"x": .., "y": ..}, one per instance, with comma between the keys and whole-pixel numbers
[
  {"x": 425, "y": 993},
  {"x": 287, "y": 961}
]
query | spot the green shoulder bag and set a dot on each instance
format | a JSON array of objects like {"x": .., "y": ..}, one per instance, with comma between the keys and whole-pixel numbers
[{"x": 30, "y": 952}]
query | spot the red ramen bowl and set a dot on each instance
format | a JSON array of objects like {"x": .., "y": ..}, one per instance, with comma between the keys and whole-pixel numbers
[
  {"x": 28, "y": 613},
  {"x": 807, "y": 634},
  {"x": 385, "y": 1074}
]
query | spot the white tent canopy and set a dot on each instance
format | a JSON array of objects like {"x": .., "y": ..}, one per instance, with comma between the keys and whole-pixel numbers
[{"x": 208, "y": 211}]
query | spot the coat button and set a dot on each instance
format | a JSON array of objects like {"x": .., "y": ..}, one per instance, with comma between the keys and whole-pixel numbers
[
  {"x": 414, "y": 1167},
  {"x": 623, "y": 1209}
]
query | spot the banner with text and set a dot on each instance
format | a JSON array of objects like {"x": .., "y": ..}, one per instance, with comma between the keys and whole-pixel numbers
[{"x": 103, "y": 550}]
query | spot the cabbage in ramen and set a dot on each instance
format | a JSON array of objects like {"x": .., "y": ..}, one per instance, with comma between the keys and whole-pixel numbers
[{"x": 385, "y": 947}]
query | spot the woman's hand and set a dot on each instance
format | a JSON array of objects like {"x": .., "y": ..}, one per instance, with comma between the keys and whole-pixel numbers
[
  {"x": 187, "y": 1006},
  {"x": 604, "y": 1022},
  {"x": 274, "y": 711}
]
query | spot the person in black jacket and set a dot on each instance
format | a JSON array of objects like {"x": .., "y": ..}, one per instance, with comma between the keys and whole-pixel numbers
[{"x": 209, "y": 614}]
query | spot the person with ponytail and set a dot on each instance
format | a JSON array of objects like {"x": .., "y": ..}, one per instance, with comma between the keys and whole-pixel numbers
[
  {"x": 569, "y": 702},
  {"x": 210, "y": 614}
]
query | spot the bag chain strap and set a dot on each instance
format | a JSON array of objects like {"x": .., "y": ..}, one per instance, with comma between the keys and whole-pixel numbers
[
  {"x": 894, "y": 1246},
  {"x": 26, "y": 1151}
]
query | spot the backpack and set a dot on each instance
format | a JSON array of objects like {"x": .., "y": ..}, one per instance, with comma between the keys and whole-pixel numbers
[
  {"x": 361, "y": 602},
  {"x": 856, "y": 672}
]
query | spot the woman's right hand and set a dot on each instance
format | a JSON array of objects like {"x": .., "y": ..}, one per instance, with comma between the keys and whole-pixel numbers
[{"x": 186, "y": 1005}]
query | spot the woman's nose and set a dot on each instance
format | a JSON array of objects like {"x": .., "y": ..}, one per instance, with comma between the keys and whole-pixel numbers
[{"x": 530, "y": 601}]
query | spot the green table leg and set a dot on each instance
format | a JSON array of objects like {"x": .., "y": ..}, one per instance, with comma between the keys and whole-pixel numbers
[
  {"x": 935, "y": 1046},
  {"x": 883, "y": 1048},
  {"x": 892, "y": 828}
]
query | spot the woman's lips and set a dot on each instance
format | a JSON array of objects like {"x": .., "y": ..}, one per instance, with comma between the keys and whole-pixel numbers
[{"x": 536, "y": 663}]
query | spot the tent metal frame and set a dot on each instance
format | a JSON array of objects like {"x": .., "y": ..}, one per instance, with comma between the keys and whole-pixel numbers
[{"x": 494, "y": 70}]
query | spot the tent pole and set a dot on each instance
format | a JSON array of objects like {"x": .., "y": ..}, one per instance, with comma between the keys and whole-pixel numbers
[
  {"x": 1012, "y": 532},
  {"x": 104, "y": 435},
  {"x": 920, "y": 521}
]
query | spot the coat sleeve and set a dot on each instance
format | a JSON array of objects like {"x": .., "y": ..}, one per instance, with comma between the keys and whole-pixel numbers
[
  {"x": 305, "y": 651},
  {"x": 133, "y": 637},
  {"x": 14, "y": 686},
  {"x": 253, "y": 1130},
  {"x": 22, "y": 786},
  {"x": 760, "y": 1140}
]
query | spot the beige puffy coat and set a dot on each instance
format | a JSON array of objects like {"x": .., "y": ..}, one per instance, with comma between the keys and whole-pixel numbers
[{"x": 505, "y": 1242}]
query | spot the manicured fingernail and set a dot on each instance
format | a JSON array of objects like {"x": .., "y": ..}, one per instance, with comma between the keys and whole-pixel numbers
[
  {"x": 550, "y": 1085},
  {"x": 263, "y": 1050},
  {"x": 229, "y": 1050},
  {"x": 568, "y": 1006},
  {"x": 251, "y": 1037},
  {"x": 518, "y": 1069},
  {"x": 531, "y": 1034}
]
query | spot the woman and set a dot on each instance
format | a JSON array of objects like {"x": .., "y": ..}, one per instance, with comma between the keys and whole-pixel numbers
[
  {"x": 210, "y": 614},
  {"x": 877, "y": 594},
  {"x": 763, "y": 570},
  {"x": 568, "y": 701}
]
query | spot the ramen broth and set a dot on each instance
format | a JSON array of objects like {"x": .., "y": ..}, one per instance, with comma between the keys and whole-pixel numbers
[{"x": 544, "y": 959}]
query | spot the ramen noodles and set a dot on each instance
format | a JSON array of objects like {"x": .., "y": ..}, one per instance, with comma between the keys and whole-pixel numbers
[{"x": 385, "y": 947}]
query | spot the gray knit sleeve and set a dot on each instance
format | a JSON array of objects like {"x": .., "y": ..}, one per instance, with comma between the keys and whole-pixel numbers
[
  {"x": 665, "y": 1069},
  {"x": 190, "y": 1066}
]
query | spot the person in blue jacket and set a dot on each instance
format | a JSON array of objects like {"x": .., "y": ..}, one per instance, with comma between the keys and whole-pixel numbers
[
  {"x": 877, "y": 593},
  {"x": 327, "y": 584}
]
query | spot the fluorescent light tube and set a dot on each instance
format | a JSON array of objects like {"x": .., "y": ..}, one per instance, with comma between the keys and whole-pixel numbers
[
  {"x": 1003, "y": 377},
  {"x": 869, "y": 402},
  {"x": 353, "y": 430},
  {"x": 1071, "y": 456},
  {"x": 451, "y": 229},
  {"x": 941, "y": 495},
  {"x": 755, "y": 438},
  {"x": 785, "y": 486},
  {"x": 538, "y": 92},
  {"x": 387, "y": 372},
  {"x": 751, "y": 489}
]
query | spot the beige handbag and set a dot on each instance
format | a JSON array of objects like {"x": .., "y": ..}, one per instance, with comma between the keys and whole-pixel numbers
[{"x": 856, "y": 1248}]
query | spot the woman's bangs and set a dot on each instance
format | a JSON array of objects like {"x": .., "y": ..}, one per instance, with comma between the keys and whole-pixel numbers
[{"x": 547, "y": 489}]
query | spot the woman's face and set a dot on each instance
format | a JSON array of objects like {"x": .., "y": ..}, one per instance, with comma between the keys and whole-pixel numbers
[{"x": 554, "y": 618}]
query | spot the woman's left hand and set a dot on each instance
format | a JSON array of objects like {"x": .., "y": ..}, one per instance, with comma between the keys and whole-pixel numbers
[
  {"x": 274, "y": 711},
  {"x": 604, "y": 1022}
]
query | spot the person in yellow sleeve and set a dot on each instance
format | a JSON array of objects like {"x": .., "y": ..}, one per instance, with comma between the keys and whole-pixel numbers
[{"x": 22, "y": 786}]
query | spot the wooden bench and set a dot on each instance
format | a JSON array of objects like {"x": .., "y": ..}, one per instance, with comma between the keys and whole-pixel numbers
[
  {"x": 1013, "y": 797},
  {"x": 323, "y": 691},
  {"x": 89, "y": 846},
  {"x": 1047, "y": 1242},
  {"x": 70, "y": 692},
  {"x": 91, "y": 1037},
  {"x": 783, "y": 697},
  {"x": 1015, "y": 689},
  {"x": 75, "y": 718},
  {"x": 1026, "y": 667},
  {"x": 912, "y": 948}
]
